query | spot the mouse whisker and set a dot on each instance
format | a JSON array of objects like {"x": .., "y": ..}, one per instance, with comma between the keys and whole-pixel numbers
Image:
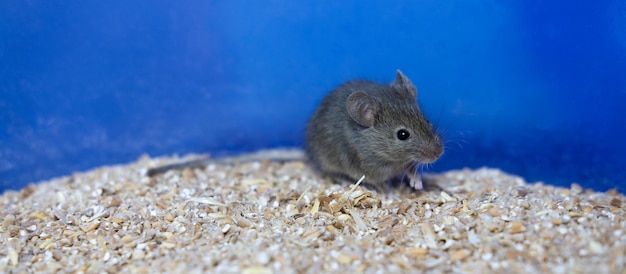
[
  {"x": 454, "y": 143},
  {"x": 441, "y": 112},
  {"x": 441, "y": 131}
]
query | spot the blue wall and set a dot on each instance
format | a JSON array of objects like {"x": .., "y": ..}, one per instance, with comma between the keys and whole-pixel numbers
[{"x": 533, "y": 87}]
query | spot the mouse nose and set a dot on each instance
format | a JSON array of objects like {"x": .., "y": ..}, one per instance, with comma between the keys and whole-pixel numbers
[{"x": 438, "y": 151}]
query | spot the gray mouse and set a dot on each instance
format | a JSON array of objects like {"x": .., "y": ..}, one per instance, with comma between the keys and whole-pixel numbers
[
  {"x": 365, "y": 128},
  {"x": 360, "y": 128}
]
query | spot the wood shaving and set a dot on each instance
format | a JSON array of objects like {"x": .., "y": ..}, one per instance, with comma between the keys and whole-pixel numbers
[{"x": 267, "y": 217}]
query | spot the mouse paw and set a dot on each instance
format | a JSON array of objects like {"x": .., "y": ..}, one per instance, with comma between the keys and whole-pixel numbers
[{"x": 415, "y": 181}]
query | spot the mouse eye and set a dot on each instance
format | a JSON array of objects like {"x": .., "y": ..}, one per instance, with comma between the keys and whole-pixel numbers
[{"x": 403, "y": 134}]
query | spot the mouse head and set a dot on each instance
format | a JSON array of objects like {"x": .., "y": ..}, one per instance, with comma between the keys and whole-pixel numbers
[{"x": 392, "y": 124}]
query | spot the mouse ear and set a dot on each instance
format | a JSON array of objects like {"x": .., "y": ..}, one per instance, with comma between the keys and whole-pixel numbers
[
  {"x": 362, "y": 108},
  {"x": 403, "y": 83}
]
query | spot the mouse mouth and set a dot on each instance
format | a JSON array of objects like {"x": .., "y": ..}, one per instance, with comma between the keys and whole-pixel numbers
[
  {"x": 429, "y": 155},
  {"x": 422, "y": 160}
]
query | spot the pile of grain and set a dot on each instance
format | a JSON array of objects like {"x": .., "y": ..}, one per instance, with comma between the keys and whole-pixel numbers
[{"x": 266, "y": 217}]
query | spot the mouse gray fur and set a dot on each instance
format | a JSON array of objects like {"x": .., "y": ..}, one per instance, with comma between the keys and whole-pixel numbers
[{"x": 366, "y": 128}]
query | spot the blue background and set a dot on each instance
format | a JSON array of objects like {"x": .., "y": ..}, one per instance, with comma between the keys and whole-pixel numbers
[{"x": 536, "y": 88}]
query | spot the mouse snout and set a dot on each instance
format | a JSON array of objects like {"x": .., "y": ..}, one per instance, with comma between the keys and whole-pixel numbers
[{"x": 431, "y": 152}]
